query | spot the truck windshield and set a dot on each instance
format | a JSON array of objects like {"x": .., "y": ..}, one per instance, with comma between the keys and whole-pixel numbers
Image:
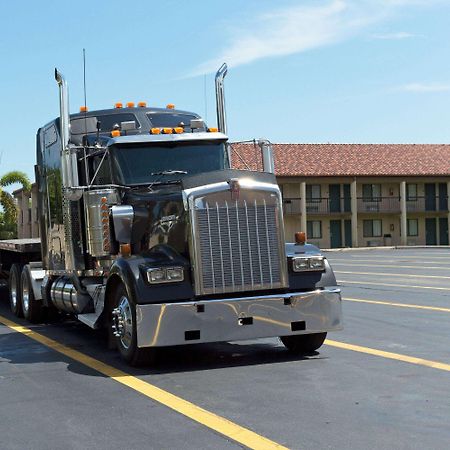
[{"x": 135, "y": 164}]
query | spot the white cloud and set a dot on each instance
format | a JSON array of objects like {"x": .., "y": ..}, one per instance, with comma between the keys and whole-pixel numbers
[
  {"x": 300, "y": 28},
  {"x": 425, "y": 87},
  {"x": 394, "y": 36}
]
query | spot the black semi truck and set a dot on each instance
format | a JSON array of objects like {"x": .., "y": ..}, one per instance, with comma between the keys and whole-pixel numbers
[{"x": 147, "y": 231}]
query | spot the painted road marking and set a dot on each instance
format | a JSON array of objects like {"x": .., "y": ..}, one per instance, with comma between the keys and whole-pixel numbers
[
  {"x": 395, "y": 266},
  {"x": 400, "y": 305},
  {"x": 390, "y": 355},
  {"x": 362, "y": 283},
  {"x": 443, "y": 264},
  {"x": 210, "y": 420},
  {"x": 399, "y": 275}
]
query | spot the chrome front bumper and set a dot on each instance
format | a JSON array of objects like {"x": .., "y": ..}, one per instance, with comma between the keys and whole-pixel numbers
[{"x": 236, "y": 319}]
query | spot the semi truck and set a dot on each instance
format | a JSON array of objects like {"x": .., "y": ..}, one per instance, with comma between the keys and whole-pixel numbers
[{"x": 148, "y": 232}]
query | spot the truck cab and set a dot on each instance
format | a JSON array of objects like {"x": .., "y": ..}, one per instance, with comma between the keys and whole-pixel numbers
[{"x": 149, "y": 231}]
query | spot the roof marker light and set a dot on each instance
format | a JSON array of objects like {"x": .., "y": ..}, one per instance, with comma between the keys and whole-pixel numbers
[
  {"x": 167, "y": 130},
  {"x": 142, "y": 104},
  {"x": 178, "y": 130},
  {"x": 170, "y": 106},
  {"x": 155, "y": 131},
  {"x": 115, "y": 133},
  {"x": 213, "y": 129},
  {"x": 118, "y": 105},
  {"x": 130, "y": 105},
  {"x": 84, "y": 108}
]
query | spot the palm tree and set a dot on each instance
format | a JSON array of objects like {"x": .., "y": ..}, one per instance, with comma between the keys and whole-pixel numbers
[{"x": 7, "y": 200}]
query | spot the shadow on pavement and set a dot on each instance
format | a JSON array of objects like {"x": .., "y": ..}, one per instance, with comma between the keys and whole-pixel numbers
[{"x": 16, "y": 348}]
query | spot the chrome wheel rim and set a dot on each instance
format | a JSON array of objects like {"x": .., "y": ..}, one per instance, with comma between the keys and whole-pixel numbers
[
  {"x": 25, "y": 297},
  {"x": 13, "y": 291},
  {"x": 122, "y": 322}
]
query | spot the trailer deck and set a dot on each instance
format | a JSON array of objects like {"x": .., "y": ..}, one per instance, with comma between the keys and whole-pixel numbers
[{"x": 29, "y": 245}]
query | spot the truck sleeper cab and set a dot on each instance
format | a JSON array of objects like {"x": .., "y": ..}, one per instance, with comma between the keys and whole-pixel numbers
[{"x": 147, "y": 230}]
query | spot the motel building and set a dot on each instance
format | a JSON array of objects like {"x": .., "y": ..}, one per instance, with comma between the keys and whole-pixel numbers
[
  {"x": 361, "y": 195},
  {"x": 343, "y": 195}
]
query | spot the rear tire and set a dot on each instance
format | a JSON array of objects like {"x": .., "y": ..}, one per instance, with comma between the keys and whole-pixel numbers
[
  {"x": 303, "y": 343},
  {"x": 32, "y": 308},
  {"x": 15, "y": 290},
  {"x": 122, "y": 323}
]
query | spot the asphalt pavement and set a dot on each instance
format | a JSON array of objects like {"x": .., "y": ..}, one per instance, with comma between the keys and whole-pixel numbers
[{"x": 381, "y": 383}]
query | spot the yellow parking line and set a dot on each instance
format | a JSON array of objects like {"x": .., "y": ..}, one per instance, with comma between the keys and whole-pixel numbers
[
  {"x": 400, "y": 305},
  {"x": 210, "y": 420},
  {"x": 362, "y": 283},
  {"x": 399, "y": 275},
  {"x": 421, "y": 267},
  {"x": 390, "y": 355}
]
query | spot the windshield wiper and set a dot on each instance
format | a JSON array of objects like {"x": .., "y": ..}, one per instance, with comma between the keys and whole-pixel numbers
[
  {"x": 164, "y": 173},
  {"x": 170, "y": 172}
]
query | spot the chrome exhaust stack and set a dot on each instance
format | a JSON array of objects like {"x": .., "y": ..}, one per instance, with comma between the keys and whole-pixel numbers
[
  {"x": 220, "y": 99},
  {"x": 68, "y": 156},
  {"x": 267, "y": 155},
  {"x": 72, "y": 249}
]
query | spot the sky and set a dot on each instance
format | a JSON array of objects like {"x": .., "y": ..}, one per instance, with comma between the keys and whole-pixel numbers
[{"x": 357, "y": 71}]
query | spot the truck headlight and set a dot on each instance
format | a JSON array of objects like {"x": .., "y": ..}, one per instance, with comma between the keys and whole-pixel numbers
[
  {"x": 305, "y": 264},
  {"x": 165, "y": 275}
]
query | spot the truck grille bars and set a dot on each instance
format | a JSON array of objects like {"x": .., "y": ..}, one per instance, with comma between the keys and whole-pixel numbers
[{"x": 239, "y": 247}]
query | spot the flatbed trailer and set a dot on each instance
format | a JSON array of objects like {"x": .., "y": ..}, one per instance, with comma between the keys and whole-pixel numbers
[{"x": 18, "y": 251}]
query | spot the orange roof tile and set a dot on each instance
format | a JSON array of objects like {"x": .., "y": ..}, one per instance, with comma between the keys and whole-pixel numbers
[{"x": 350, "y": 159}]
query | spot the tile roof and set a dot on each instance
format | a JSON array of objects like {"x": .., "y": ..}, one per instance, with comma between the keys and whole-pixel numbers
[{"x": 350, "y": 159}]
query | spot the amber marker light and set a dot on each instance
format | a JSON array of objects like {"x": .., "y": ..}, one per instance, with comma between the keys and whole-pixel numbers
[
  {"x": 178, "y": 130},
  {"x": 130, "y": 105},
  {"x": 155, "y": 131},
  {"x": 125, "y": 249},
  {"x": 118, "y": 105},
  {"x": 142, "y": 104},
  {"x": 167, "y": 130},
  {"x": 170, "y": 106},
  {"x": 84, "y": 108},
  {"x": 300, "y": 237},
  {"x": 213, "y": 130},
  {"x": 115, "y": 133}
]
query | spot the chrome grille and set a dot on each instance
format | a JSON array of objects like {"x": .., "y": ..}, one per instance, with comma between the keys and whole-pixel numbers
[{"x": 239, "y": 245}]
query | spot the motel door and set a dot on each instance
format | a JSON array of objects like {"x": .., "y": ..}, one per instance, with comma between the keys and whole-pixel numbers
[
  {"x": 430, "y": 231},
  {"x": 335, "y": 234}
]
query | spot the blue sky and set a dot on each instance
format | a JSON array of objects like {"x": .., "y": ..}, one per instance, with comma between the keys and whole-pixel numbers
[{"x": 300, "y": 71}]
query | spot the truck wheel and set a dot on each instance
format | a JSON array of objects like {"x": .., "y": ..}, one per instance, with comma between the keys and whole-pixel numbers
[
  {"x": 303, "y": 343},
  {"x": 32, "y": 308},
  {"x": 123, "y": 326},
  {"x": 15, "y": 300}
]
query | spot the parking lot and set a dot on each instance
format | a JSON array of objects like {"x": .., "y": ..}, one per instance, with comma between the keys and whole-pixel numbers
[{"x": 382, "y": 383}]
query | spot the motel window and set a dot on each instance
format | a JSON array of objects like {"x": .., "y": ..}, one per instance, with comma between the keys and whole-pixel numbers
[
  {"x": 371, "y": 192},
  {"x": 372, "y": 228},
  {"x": 411, "y": 192},
  {"x": 314, "y": 229},
  {"x": 313, "y": 193},
  {"x": 413, "y": 227}
]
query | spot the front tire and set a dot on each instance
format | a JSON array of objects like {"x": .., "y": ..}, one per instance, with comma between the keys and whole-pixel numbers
[
  {"x": 303, "y": 343},
  {"x": 32, "y": 308},
  {"x": 122, "y": 322},
  {"x": 15, "y": 290}
]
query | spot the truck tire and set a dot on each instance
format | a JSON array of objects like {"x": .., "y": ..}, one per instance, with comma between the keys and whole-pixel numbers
[
  {"x": 303, "y": 343},
  {"x": 32, "y": 308},
  {"x": 15, "y": 290},
  {"x": 122, "y": 323}
]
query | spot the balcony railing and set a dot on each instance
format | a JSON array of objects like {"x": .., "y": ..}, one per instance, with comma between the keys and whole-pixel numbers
[
  {"x": 317, "y": 206},
  {"x": 365, "y": 205},
  {"x": 421, "y": 204},
  {"x": 378, "y": 204}
]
